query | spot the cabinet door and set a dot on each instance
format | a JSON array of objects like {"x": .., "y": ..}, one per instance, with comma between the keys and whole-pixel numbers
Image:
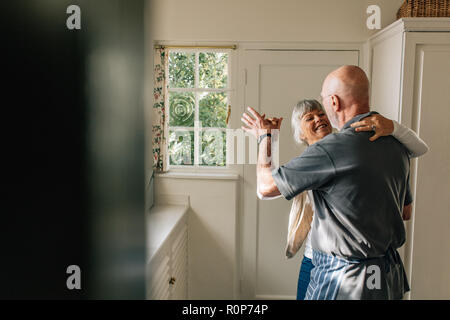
[
  {"x": 430, "y": 114},
  {"x": 159, "y": 287},
  {"x": 179, "y": 265},
  {"x": 386, "y": 76}
]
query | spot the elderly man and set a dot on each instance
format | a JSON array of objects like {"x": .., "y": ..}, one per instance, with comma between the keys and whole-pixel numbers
[{"x": 359, "y": 190}]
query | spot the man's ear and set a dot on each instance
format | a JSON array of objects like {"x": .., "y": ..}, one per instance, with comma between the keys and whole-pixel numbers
[{"x": 336, "y": 103}]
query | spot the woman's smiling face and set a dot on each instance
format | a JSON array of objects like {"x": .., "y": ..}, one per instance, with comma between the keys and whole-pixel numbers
[{"x": 315, "y": 125}]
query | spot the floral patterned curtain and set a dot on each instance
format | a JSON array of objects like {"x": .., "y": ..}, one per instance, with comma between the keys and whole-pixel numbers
[{"x": 159, "y": 125}]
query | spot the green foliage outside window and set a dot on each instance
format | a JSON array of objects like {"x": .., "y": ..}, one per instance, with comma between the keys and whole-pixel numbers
[
  {"x": 181, "y": 70},
  {"x": 213, "y": 70},
  {"x": 181, "y": 148},
  {"x": 212, "y": 106},
  {"x": 213, "y": 110},
  {"x": 213, "y": 149},
  {"x": 182, "y": 109}
]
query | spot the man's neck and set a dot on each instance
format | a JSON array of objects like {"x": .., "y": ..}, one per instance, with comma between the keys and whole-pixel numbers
[{"x": 348, "y": 114}]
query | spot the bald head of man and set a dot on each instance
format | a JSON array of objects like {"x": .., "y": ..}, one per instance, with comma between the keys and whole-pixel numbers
[{"x": 345, "y": 94}]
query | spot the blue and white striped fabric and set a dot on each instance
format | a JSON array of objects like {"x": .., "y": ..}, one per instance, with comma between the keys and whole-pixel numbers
[
  {"x": 336, "y": 278},
  {"x": 326, "y": 276}
]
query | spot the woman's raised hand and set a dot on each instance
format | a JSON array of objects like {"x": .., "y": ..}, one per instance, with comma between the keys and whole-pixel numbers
[{"x": 258, "y": 125}]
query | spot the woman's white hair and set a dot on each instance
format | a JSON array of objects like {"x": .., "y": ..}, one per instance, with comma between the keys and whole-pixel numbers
[{"x": 302, "y": 107}]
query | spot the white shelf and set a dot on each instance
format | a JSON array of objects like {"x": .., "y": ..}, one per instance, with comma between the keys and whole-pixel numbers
[
  {"x": 203, "y": 176},
  {"x": 162, "y": 219}
]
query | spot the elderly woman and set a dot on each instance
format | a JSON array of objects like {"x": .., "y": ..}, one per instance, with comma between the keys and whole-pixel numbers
[{"x": 310, "y": 124}]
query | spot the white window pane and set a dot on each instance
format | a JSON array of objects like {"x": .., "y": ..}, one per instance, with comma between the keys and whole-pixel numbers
[
  {"x": 181, "y": 148},
  {"x": 213, "y": 148},
  {"x": 181, "y": 69},
  {"x": 213, "y": 109}
]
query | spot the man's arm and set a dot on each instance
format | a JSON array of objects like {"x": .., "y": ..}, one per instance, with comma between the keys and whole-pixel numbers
[
  {"x": 313, "y": 170},
  {"x": 384, "y": 127},
  {"x": 260, "y": 127},
  {"x": 266, "y": 187}
]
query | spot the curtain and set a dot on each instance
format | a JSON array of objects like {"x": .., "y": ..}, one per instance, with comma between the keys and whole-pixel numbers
[{"x": 159, "y": 125}]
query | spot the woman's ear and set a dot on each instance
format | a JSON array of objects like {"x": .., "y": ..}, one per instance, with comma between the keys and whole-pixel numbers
[{"x": 302, "y": 137}]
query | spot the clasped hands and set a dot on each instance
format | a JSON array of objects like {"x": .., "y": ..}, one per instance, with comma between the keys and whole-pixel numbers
[{"x": 258, "y": 124}]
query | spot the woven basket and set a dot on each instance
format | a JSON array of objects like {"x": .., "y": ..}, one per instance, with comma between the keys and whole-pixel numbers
[{"x": 424, "y": 8}]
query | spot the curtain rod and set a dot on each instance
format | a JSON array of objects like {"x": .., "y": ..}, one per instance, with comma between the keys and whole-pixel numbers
[{"x": 234, "y": 47}]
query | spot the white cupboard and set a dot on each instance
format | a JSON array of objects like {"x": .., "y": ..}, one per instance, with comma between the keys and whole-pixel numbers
[
  {"x": 167, "y": 273},
  {"x": 410, "y": 77}
]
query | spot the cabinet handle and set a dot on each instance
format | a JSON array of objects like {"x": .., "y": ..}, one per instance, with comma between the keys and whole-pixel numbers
[{"x": 172, "y": 280}]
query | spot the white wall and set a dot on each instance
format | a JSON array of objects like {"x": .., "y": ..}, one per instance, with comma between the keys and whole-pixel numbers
[
  {"x": 267, "y": 20},
  {"x": 212, "y": 233}
]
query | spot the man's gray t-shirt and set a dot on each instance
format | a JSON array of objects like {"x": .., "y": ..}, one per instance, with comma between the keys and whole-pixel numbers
[{"x": 359, "y": 189}]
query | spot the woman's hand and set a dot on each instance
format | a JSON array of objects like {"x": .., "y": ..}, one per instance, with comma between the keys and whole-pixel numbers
[
  {"x": 259, "y": 124},
  {"x": 381, "y": 125},
  {"x": 407, "y": 211}
]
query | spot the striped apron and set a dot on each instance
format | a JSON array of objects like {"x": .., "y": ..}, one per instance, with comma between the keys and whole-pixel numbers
[{"x": 336, "y": 278}]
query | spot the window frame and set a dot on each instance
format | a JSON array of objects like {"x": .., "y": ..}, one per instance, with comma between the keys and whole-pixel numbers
[{"x": 229, "y": 90}]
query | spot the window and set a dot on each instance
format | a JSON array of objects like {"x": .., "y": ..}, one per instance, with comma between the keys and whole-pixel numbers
[{"x": 198, "y": 100}]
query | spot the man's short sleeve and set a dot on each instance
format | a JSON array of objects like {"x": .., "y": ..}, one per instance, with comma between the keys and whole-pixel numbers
[{"x": 310, "y": 171}]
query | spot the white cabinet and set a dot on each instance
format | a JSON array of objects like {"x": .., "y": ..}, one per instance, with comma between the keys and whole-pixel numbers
[
  {"x": 410, "y": 75},
  {"x": 168, "y": 256},
  {"x": 158, "y": 286},
  {"x": 178, "y": 265}
]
